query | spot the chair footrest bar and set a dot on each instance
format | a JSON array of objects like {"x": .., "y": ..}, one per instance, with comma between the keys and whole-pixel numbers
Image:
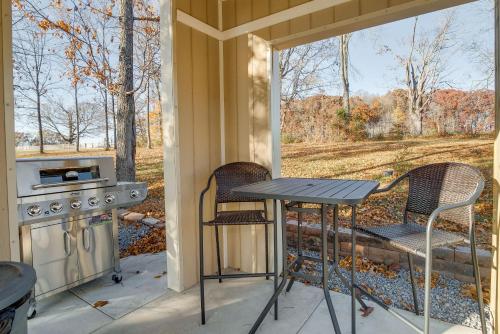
[{"x": 238, "y": 275}]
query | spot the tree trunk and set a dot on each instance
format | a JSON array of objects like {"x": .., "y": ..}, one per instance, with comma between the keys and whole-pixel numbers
[
  {"x": 106, "y": 117},
  {"x": 77, "y": 111},
  {"x": 39, "y": 117},
  {"x": 157, "y": 82},
  {"x": 148, "y": 124},
  {"x": 114, "y": 120},
  {"x": 344, "y": 73},
  {"x": 125, "y": 132}
]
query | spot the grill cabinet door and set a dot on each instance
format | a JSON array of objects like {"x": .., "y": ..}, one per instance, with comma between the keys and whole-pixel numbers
[
  {"x": 95, "y": 245},
  {"x": 55, "y": 257}
]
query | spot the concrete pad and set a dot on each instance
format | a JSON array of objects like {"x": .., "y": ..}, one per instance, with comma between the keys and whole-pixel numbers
[
  {"x": 65, "y": 313},
  {"x": 231, "y": 308},
  {"x": 379, "y": 321},
  {"x": 144, "y": 280}
]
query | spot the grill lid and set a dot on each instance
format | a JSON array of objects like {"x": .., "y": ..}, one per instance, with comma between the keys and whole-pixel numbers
[{"x": 47, "y": 176}]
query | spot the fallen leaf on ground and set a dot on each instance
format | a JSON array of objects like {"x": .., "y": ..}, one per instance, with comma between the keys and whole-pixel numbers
[
  {"x": 100, "y": 303},
  {"x": 469, "y": 290}
]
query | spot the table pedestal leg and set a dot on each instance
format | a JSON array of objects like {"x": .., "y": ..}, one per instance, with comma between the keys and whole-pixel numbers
[
  {"x": 326, "y": 271},
  {"x": 274, "y": 298}
]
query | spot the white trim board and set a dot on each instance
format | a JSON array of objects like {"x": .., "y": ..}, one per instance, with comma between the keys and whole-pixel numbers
[{"x": 261, "y": 23}]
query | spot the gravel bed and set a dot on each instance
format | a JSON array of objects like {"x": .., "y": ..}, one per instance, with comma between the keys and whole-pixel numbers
[
  {"x": 448, "y": 304},
  {"x": 128, "y": 234}
]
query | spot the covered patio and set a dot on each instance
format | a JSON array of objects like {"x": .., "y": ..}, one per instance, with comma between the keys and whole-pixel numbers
[{"x": 221, "y": 103}]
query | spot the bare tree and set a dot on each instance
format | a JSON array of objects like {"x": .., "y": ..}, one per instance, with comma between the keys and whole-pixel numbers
[
  {"x": 344, "y": 72},
  {"x": 62, "y": 120},
  {"x": 32, "y": 69},
  {"x": 125, "y": 131},
  {"x": 148, "y": 63},
  {"x": 302, "y": 70},
  {"x": 424, "y": 69}
]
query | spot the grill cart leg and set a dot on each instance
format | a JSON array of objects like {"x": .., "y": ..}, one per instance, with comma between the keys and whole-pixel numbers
[{"x": 117, "y": 276}]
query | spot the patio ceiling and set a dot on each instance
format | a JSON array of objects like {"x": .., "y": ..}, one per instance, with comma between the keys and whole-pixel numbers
[{"x": 319, "y": 18}]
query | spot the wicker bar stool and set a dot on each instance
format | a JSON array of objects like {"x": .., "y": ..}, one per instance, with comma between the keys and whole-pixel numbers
[
  {"x": 226, "y": 178},
  {"x": 446, "y": 190}
]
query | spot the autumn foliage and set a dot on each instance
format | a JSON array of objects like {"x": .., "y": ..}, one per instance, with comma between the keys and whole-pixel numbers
[{"x": 321, "y": 118}]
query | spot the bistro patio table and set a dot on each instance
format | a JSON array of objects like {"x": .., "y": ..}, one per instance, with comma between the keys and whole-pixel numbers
[{"x": 328, "y": 193}]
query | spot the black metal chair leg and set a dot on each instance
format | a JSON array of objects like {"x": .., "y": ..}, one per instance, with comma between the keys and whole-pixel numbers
[
  {"x": 202, "y": 285},
  {"x": 218, "y": 252},
  {"x": 266, "y": 232},
  {"x": 413, "y": 283},
  {"x": 477, "y": 278}
]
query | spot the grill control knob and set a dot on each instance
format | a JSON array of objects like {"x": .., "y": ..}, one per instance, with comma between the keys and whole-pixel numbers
[
  {"x": 134, "y": 193},
  {"x": 93, "y": 201},
  {"x": 109, "y": 198},
  {"x": 34, "y": 210},
  {"x": 76, "y": 204},
  {"x": 56, "y": 207}
]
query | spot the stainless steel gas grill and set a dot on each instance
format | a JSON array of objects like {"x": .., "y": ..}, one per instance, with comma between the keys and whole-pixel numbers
[{"x": 67, "y": 218}]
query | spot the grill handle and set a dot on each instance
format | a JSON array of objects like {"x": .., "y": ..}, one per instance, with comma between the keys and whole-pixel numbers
[
  {"x": 86, "y": 239},
  {"x": 67, "y": 243},
  {"x": 69, "y": 183}
]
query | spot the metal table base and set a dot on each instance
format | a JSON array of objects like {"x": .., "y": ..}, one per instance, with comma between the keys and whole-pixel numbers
[{"x": 293, "y": 270}]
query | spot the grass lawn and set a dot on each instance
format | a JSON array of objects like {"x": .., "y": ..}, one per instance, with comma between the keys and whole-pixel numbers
[
  {"x": 364, "y": 160},
  {"x": 369, "y": 160}
]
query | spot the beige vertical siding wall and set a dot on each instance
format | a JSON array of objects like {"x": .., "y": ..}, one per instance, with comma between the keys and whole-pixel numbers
[
  {"x": 9, "y": 239},
  {"x": 198, "y": 134},
  {"x": 247, "y": 122}
]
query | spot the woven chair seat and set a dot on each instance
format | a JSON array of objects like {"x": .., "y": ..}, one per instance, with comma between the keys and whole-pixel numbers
[
  {"x": 245, "y": 217},
  {"x": 411, "y": 237}
]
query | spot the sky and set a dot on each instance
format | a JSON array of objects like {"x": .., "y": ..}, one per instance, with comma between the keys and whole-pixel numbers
[{"x": 377, "y": 73}]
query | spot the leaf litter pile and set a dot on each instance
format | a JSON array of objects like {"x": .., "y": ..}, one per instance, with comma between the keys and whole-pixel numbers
[{"x": 153, "y": 242}]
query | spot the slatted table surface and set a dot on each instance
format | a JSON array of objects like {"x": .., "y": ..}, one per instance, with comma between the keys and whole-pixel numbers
[{"x": 321, "y": 191}]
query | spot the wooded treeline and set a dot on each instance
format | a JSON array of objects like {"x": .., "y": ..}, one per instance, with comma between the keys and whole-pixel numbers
[
  {"x": 88, "y": 68},
  {"x": 320, "y": 118}
]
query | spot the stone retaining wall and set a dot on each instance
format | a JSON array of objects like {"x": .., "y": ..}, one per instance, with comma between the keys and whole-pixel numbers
[{"x": 456, "y": 261}]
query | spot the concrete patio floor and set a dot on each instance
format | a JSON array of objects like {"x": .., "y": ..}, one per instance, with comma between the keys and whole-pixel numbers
[{"x": 232, "y": 307}]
